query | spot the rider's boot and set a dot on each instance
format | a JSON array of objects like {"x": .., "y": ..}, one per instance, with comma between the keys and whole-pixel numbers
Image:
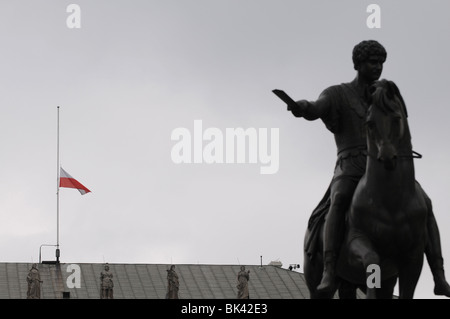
[
  {"x": 328, "y": 283},
  {"x": 331, "y": 241}
]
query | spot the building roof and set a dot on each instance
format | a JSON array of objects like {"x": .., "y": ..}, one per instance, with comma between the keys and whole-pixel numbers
[{"x": 149, "y": 281}]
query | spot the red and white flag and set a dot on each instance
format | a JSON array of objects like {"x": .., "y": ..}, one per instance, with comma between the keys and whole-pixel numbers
[{"x": 65, "y": 180}]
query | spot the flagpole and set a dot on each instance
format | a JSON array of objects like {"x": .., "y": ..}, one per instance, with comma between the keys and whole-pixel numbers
[{"x": 57, "y": 188}]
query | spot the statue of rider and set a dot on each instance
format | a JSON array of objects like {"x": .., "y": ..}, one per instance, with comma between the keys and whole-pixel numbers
[{"x": 342, "y": 108}]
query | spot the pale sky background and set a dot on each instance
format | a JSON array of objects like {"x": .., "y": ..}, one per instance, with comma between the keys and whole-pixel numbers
[{"x": 136, "y": 70}]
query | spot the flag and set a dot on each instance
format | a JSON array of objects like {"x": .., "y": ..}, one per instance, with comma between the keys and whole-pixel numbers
[{"x": 65, "y": 180}]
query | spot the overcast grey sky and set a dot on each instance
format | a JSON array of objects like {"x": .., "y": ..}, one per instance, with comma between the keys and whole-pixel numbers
[{"x": 137, "y": 70}]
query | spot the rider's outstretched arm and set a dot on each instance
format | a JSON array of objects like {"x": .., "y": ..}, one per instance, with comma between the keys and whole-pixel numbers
[{"x": 312, "y": 110}]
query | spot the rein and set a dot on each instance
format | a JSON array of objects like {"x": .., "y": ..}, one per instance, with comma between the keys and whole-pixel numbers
[{"x": 413, "y": 155}]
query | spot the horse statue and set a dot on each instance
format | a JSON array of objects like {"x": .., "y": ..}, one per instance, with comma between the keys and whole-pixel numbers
[{"x": 385, "y": 226}]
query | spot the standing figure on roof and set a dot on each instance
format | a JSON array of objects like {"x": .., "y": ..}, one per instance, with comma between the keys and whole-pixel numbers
[
  {"x": 242, "y": 286},
  {"x": 106, "y": 284},
  {"x": 173, "y": 283},
  {"x": 34, "y": 283}
]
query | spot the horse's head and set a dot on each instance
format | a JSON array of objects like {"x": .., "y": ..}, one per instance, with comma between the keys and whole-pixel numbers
[{"x": 387, "y": 127}]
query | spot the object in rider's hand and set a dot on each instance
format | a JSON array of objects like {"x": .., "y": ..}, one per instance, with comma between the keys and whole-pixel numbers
[{"x": 285, "y": 98}]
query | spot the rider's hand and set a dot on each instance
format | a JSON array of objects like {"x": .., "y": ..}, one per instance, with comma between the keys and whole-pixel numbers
[{"x": 299, "y": 109}]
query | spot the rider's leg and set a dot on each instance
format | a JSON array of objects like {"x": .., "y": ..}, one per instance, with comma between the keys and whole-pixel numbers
[
  {"x": 341, "y": 196},
  {"x": 434, "y": 253}
]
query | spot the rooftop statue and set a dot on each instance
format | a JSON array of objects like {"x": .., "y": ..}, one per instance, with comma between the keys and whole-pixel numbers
[
  {"x": 243, "y": 277},
  {"x": 34, "y": 283},
  {"x": 173, "y": 284},
  {"x": 106, "y": 284}
]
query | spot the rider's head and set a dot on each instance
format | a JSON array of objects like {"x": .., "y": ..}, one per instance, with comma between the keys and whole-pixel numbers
[
  {"x": 363, "y": 50},
  {"x": 368, "y": 58}
]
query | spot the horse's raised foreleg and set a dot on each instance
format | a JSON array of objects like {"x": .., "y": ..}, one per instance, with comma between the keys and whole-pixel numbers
[{"x": 362, "y": 250}]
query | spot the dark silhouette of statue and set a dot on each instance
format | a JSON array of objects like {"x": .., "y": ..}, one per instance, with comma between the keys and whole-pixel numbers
[
  {"x": 243, "y": 277},
  {"x": 388, "y": 197},
  {"x": 106, "y": 284},
  {"x": 173, "y": 284},
  {"x": 343, "y": 109},
  {"x": 34, "y": 283}
]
